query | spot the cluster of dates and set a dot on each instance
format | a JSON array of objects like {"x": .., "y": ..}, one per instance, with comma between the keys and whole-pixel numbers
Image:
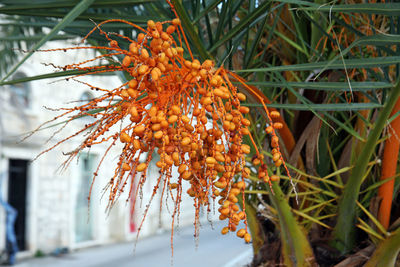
[{"x": 187, "y": 111}]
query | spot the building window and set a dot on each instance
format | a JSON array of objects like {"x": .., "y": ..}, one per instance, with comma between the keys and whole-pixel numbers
[
  {"x": 84, "y": 217},
  {"x": 20, "y": 92}
]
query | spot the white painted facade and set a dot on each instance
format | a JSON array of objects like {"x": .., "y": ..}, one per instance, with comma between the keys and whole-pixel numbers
[{"x": 51, "y": 198}]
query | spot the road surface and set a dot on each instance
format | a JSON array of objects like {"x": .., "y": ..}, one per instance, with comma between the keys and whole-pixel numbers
[{"x": 213, "y": 249}]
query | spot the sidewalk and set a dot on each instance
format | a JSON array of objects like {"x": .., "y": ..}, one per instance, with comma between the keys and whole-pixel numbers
[{"x": 213, "y": 250}]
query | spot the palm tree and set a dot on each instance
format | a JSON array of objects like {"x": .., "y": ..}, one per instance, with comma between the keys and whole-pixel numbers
[{"x": 331, "y": 69}]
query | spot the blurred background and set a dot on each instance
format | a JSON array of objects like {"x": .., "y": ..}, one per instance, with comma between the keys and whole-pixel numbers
[{"x": 330, "y": 68}]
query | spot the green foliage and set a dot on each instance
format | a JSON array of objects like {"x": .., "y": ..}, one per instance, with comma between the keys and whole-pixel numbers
[
  {"x": 344, "y": 232},
  {"x": 387, "y": 252},
  {"x": 295, "y": 247}
]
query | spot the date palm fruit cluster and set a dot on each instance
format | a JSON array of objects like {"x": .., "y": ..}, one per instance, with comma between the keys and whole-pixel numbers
[{"x": 186, "y": 111}]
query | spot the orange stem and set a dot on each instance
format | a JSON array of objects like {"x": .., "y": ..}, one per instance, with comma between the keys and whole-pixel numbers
[{"x": 389, "y": 164}]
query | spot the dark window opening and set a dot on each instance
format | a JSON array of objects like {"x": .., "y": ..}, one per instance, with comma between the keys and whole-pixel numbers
[{"x": 17, "y": 196}]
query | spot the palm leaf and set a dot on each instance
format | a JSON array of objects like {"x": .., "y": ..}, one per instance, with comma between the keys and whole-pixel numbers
[{"x": 75, "y": 12}]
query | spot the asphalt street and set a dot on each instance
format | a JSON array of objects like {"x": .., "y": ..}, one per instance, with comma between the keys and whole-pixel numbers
[{"x": 212, "y": 249}]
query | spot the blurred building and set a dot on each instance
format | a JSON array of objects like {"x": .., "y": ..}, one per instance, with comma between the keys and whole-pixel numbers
[{"x": 52, "y": 203}]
